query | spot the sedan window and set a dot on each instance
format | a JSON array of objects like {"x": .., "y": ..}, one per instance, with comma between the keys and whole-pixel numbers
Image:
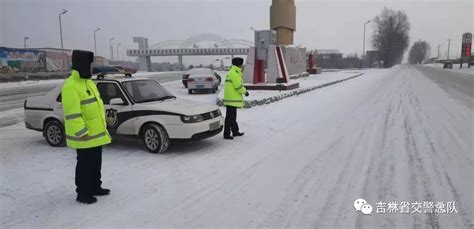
[
  {"x": 110, "y": 91},
  {"x": 143, "y": 91}
]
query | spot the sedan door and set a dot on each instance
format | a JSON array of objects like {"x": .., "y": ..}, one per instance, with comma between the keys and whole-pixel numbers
[{"x": 117, "y": 108}]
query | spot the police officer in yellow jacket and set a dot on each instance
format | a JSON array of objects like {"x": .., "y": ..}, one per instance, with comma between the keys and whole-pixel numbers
[
  {"x": 86, "y": 128},
  {"x": 233, "y": 98}
]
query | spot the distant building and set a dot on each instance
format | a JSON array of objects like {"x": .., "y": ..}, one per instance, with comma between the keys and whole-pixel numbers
[
  {"x": 350, "y": 62},
  {"x": 373, "y": 59},
  {"x": 56, "y": 59},
  {"x": 329, "y": 58}
]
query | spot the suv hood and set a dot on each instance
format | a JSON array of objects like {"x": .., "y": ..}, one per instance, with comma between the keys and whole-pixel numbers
[{"x": 179, "y": 106}]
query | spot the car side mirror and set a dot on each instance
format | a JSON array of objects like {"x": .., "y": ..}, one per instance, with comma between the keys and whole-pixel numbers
[{"x": 116, "y": 101}]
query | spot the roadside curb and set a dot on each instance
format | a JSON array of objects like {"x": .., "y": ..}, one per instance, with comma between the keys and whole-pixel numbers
[{"x": 264, "y": 101}]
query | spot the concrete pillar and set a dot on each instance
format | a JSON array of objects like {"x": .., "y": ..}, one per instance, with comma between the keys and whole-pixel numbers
[
  {"x": 180, "y": 62},
  {"x": 283, "y": 20},
  {"x": 148, "y": 63},
  {"x": 144, "y": 61}
]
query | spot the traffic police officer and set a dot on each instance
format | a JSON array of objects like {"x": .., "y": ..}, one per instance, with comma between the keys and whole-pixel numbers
[
  {"x": 233, "y": 98},
  {"x": 85, "y": 124}
]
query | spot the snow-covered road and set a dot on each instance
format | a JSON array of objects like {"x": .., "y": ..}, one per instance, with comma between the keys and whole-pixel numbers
[{"x": 389, "y": 135}]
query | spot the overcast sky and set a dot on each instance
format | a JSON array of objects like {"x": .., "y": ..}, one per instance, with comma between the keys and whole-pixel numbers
[{"x": 329, "y": 24}]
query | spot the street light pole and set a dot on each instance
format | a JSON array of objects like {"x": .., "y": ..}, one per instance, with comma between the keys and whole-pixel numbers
[
  {"x": 111, "y": 49},
  {"x": 24, "y": 40},
  {"x": 61, "y": 34},
  {"x": 438, "y": 51},
  {"x": 449, "y": 44},
  {"x": 363, "y": 44},
  {"x": 95, "y": 42},
  {"x": 118, "y": 54}
]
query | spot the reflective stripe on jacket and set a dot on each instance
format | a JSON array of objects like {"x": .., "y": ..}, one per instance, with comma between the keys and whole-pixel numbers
[
  {"x": 234, "y": 88},
  {"x": 84, "y": 113}
]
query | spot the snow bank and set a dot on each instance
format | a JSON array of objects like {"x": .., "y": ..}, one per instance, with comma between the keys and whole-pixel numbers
[{"x": 307, "y": 84}]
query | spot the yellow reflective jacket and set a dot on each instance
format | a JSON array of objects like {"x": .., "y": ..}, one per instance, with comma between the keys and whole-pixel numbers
[
  {"x": 84, "y": 114},
  {"x": 234, "y": 88}
]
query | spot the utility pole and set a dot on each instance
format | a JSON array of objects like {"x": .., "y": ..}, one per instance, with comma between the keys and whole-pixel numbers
[
  {"x": 111, "y": 49},
  {"x": 118, "y": 54},
  {"x": 95, "y": 42},
  {"x": 61, "y": 35},
  {"x": 363, "y": 44},
  {"x": 438, "y": 51},
  {"x": 449, "y": 43},
  {"x": 24, "y": 40}
]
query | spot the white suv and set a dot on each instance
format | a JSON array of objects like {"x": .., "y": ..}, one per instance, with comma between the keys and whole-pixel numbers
[{"x": 134, "y": 106}]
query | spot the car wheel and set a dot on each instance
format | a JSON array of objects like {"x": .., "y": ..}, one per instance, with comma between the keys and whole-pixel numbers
[
  {"x": 54, "y": 134},
  {"x": 128, "y": 75},
  {"x": 190, "y": 91},
  {"x": 155, "y": 138}
]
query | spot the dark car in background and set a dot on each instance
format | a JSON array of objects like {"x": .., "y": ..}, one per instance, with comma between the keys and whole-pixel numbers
[
  {"x": 102, "y": 71},
  {"x": 127, "y": 71},
  {"x": 448, "y": 64}
]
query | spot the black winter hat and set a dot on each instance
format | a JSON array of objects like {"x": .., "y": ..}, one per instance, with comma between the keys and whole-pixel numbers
[
  {"x": 81, "y": 62},
  {"x": 237, "y": 61}
]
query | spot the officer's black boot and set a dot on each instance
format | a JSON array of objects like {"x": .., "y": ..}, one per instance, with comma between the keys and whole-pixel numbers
[
  {"x": 101, "y": 192},
  {"x": 86, "y": 199},
  {"x": 238, "y": 134}
]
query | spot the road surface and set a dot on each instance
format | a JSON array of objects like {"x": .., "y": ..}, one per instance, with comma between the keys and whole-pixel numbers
[{"x": 389, "y": 135}]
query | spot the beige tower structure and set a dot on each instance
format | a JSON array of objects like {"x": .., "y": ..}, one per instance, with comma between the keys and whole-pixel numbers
[{"x": 283, "y": 20}]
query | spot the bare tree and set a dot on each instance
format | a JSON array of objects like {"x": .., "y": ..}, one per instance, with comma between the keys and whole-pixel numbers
[
  {"x": 418, "y": 52},
  {"x": 390, "y": 35}
]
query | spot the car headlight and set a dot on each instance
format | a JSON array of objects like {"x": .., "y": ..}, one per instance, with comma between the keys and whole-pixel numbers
[{"x": 192, "y": 118}]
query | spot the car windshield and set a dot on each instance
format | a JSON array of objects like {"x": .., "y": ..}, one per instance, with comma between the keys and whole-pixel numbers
[{"x": 143, "y": 91}]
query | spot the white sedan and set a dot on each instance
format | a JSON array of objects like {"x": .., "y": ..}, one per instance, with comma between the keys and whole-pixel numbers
[
  {"x": 200, "y": 79},
  {"x": 134, "y": 106}
]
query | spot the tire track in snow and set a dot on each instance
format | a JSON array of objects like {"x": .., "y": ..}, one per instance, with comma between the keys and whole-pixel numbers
[
  {"x": 299, "y": 189},
  {"x": 379, "y": 151},
  {"x": 423, "y": 120}
]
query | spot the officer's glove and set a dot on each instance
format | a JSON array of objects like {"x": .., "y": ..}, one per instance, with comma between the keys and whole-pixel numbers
[{"x": 246, "y": 93}]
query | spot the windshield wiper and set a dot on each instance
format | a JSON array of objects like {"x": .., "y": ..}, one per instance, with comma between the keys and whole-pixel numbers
[
  {"x": 157, "y": 99},
  {"x": 167, "y": 97},
  {"x": 148, "y": 100}
]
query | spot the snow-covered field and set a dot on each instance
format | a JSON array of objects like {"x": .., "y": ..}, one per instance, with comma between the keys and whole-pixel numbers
[{"x": 389, "y": 135}]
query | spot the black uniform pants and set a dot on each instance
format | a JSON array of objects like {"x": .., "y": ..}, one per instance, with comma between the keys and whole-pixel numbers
[
  {"x": 230, "y": 123},
  {"x": 89, "y": 163}
]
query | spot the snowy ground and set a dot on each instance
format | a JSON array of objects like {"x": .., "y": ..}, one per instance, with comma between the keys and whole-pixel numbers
[{"x": 389, "y": 135}]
